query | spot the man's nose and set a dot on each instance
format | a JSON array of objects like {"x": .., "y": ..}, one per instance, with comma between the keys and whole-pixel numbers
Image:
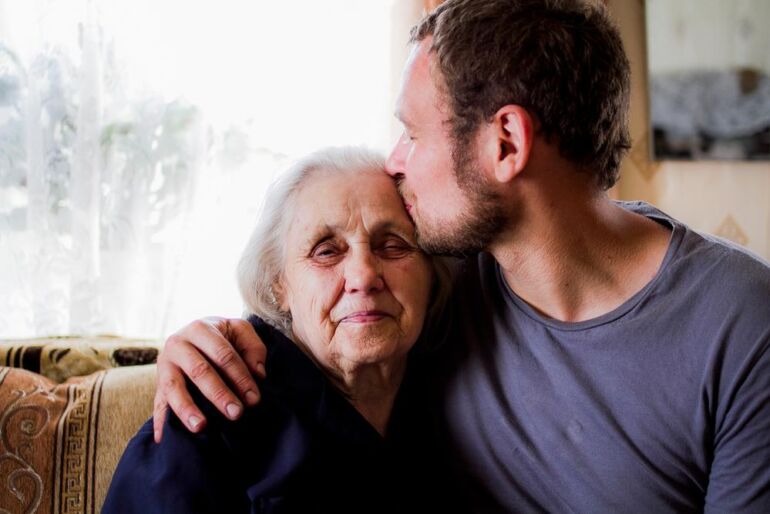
[
  {"x": 394, "y": 165},
  {"x": 363, "y": 272}
]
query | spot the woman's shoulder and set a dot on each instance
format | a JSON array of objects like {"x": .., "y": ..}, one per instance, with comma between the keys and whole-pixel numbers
[
  {"x": 225, "y": 465},
  {"x": 223, "y": 468},
  {"x": 185, "y": 472}
]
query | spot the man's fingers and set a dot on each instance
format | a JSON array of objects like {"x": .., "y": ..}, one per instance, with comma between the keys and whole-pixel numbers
[
  {"x": 210, "y": 337},
  {"x": 231, "y": 345},
  {"x": 203, "y": 350},
  {"x": 173, "y": 393},
  {"x": 158, "y": 417},
  {"x": 206, "y": 378},
  {"x": 247, "y": 343}
]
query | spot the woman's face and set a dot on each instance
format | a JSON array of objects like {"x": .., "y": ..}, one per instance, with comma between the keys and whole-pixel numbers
[{"x": 354, "y": 280}]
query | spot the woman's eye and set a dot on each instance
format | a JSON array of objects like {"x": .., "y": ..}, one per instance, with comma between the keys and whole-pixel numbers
[
  {"x": 395, "y": 248},
  {"x": 324, "y": 251}
]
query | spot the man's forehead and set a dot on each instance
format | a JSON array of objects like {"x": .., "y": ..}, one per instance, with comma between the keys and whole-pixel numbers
[
  {"x": 420, "y": 60},
  {"x": 417, "y": 82}
]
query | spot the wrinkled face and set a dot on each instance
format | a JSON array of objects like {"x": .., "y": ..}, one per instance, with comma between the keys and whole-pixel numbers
[
  {"x": 354, "y": 280},
  {"x": 452, "y": 216}
]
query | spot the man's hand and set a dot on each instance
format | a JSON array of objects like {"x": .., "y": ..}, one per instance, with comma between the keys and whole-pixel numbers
[{"x": 217, "y": 354}]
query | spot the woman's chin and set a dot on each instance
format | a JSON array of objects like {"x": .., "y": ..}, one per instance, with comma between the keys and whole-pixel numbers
[{"x": 371, "y": 343}]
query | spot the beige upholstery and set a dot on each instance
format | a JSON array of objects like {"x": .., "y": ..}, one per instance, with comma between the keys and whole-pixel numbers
[{"x": 60, "y": 442}]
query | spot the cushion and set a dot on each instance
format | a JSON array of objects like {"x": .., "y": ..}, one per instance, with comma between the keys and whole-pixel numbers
[
  {"x": 60, "y": 442},
  {"x": 59, "y": 358}
]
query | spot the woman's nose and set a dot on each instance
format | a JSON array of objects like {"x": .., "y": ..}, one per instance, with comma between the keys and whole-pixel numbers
[{"x": 363, "y": 272}]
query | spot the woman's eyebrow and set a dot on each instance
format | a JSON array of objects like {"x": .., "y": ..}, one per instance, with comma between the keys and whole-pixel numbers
[
  {"x": 327, "y": 231},
  {"x": 405, "y": 229},
  {"x": 319, "y": 233}
]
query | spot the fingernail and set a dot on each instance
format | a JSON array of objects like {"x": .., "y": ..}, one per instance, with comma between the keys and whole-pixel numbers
[
  {"x": 194, "y": 421},
  {"x": 157, "y": 436},
  {"x": 233, "y": 410},
  {"x": 252, "y": 398},
  {"x": 261, "y": 369}
]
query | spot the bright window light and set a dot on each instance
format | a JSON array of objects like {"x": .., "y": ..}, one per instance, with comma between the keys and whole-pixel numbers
[{"x": 137, "y": 139}]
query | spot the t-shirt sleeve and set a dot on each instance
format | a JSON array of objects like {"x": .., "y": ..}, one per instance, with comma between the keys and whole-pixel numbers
[
  {"x": 739, "y": 480},
  {"x": 184, "y": 473}
]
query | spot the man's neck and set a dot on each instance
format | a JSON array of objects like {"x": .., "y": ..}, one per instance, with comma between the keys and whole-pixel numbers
[{"x": 581, "y": 257}]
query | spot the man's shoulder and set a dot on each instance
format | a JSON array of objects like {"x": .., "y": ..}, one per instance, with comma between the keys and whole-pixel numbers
[
  {"x": 708, "y": 258},
  {"x": 714, "y": 289},
  {"x": 722, "y": 267}
]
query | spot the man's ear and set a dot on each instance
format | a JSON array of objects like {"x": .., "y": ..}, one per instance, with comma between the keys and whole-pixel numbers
[{"x": 514, "y": 132}]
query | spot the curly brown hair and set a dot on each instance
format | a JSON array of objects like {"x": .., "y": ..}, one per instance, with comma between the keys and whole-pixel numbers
[{"x": 562, "y": 60}]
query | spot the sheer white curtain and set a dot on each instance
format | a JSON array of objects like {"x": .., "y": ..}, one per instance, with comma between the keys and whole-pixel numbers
[{"x": 137, "y": 138}]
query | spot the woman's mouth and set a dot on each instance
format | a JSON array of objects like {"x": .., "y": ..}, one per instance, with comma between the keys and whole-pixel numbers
[{"x": 364, "y": 317}]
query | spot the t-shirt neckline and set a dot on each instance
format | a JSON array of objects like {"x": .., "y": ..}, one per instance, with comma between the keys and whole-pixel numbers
[{"x": 643, "y": 208}]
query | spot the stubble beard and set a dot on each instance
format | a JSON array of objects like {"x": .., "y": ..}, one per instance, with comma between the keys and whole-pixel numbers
[{"x": 476, "y": 228}]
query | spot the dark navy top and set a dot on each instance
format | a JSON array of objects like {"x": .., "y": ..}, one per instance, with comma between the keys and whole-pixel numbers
[{"x": 304, "y": 448}]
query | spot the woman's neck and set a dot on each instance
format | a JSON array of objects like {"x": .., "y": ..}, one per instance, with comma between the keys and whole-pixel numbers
[{"x": 371, "y": 389}]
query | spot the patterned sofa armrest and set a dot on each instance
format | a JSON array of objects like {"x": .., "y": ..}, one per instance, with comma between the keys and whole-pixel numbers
[
  {"x": 60, "y": 443},
  {"x": 60, "y": 358}
]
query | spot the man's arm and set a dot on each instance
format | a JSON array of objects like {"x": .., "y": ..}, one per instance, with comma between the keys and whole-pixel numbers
[
  {"x": 739, "y": 478},
  {"x": 220, "y": 356}
]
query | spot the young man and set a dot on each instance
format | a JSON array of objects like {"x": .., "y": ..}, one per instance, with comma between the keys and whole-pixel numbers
[{"x": 602, "y": 357}]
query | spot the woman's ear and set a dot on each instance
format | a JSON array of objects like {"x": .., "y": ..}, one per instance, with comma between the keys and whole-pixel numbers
[
  {"x": 513, "y": 128},
  {"x": 279, "y": 293}
]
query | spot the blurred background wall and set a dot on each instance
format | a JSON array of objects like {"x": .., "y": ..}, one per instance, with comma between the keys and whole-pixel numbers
[{"x": 729, "y": 199}]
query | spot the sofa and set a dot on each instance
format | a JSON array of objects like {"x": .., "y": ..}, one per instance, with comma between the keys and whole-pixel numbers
[{"x": 68, "y": 407}]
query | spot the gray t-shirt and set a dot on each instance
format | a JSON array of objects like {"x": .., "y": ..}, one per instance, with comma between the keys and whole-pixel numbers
[{"x": 662, "y": 405}]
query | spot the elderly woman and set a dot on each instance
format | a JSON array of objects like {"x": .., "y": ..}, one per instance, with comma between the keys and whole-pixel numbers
[{"x": 334, "y": 273}]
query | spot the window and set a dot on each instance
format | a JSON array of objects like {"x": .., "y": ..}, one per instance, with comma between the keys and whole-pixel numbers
[{"x": 137, "y": 139}]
